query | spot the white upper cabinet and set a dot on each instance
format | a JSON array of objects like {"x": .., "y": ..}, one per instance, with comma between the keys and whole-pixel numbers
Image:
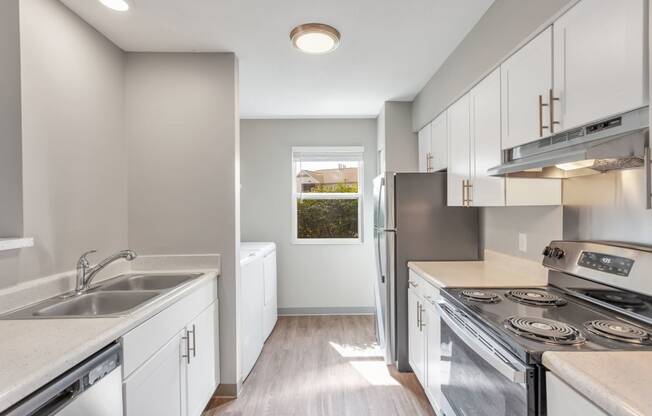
[
  {"x": 425, "y": 148},
  {"x": 525, "y": 92},
  {"x": 439, "y": 143},
  {"x": 600, "y": 57},
  {"x": 433, "y": 145},
  {"x": 459, "y": 151},
  {"x": 486, "y": 153}
]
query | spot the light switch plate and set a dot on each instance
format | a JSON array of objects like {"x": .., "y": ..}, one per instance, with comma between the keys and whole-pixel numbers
[{"x": 522, "y": 242}]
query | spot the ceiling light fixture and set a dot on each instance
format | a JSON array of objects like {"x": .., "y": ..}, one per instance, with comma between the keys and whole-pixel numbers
[
  {"x": 117, "y": 5},
  {"x": 315, "y": 38}
]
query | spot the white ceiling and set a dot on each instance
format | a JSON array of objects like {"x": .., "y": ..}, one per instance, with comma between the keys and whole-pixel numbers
[{"x": 389, "y": 50}]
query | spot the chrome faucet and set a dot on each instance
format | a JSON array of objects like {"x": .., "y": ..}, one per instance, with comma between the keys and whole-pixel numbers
[{"x": 86, "y": 273}]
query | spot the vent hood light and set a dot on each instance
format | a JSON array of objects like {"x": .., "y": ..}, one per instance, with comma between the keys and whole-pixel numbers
[
  {"x": 117, "y": 5},
  {"x": 315, "y": 38},
  {"x": 576, "y": 165}
]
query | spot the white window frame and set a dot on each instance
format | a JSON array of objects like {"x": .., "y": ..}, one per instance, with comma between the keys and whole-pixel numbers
[{"x": 359, "y": 196}]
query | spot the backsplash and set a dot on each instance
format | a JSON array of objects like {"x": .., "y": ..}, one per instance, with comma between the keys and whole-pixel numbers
[
  {"x": 501, "y": 227},
  {"x": 609, "y": 206}
]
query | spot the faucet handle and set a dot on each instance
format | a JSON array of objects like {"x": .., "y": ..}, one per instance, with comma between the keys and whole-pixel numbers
[{"x": 83, "y": 260}]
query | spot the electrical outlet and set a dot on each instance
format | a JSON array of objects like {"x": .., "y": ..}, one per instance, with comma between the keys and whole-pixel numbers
[{"x": 522, "y": 242}]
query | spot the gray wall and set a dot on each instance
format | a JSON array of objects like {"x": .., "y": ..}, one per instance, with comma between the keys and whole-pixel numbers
[
  {"x": 501, "y": 227},
  {"x": 182, "y": 129},
  {"x": 10, "y": 156},
  {"x": 502, "y": 28},
  {"x": 328, "y": 277},
  {"x": 395, "y": 137},
  {"x": 608, "y": 206},
  {"x": 73, "y": 145}
]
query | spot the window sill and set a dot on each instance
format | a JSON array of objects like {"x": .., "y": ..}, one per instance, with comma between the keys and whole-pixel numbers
[
  {"x": 327, "y": 241},
  {"x": 15, "y": 243}
]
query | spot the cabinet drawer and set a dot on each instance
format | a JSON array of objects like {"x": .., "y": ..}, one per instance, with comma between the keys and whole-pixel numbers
[
  {"x": 143, "y": 341},
  {"x": 422, "y": 288}
]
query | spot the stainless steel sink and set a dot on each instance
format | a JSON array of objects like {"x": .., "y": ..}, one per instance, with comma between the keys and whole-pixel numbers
[
  {"x": 147, "y": 282},
  {"x": 88, "y": 305},
  {"x": 115, "y": 297},
  {"x": 98, "y": 303}
]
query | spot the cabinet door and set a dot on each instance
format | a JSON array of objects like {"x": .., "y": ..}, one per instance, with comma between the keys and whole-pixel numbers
[
  {"x": 434, "y": 371},
  {"x": 424, "y": 148},
  {"x": 459, "y": 150},
  {"x": 156, "y": 387},
  {"x": 439, "y": 143},
  {"x": 485, "y": 130},
  {"x": 270, "y": 310},
  {"x": 201, "y": 374},
  {"x": 600, "y": 60},
  {"x": 526, "y": 75},
  {"x": 415, "y": 336}
]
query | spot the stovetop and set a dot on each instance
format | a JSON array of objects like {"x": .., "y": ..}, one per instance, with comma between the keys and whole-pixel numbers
[{"x": 530, "y": 321}]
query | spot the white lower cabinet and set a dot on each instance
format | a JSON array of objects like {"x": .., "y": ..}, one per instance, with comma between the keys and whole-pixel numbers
[
  {"x": 563, "y": 400},
  {"x": 433, "y": 355},
  {"x": 180, "y": 375},
  {"x": 156, "y": 387},
  {"x": 416, "y": 336},
  {"x": 425, "y": 337},
  {"x": 201, "y": 368}
]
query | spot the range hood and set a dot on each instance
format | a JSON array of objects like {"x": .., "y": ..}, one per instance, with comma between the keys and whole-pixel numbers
[{"x": 613, "y": 143}]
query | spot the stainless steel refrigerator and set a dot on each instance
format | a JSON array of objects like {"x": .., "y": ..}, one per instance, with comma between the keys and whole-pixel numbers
[{"x": 413, "y": 223}]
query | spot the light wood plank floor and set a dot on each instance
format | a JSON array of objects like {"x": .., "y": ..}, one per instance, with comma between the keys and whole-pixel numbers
[{"x": 324, "y": 366}]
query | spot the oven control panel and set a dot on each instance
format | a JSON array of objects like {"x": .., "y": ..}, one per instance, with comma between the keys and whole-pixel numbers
[{"x": 606, "y": 263}]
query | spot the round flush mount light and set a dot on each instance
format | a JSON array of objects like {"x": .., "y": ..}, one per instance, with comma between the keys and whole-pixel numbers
[
  {"x": 315, "y": 38},
  {"x": 117, "y": 5}
]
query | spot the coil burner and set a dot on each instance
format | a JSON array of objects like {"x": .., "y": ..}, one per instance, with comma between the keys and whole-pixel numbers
[
  {"x": 619, "y": 331},
  {"x": 545, "y": 330},
  {"x": 624, "y": 300},
  {"x": 535, "y": 297},
  {"x": 480, "y": 296}
]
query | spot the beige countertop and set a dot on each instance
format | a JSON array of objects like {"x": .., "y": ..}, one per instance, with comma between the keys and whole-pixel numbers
[
  {"x": 497, "y": 270},
  {"x": 34, "y": 352},
  {"x": 619, "y": 382}
]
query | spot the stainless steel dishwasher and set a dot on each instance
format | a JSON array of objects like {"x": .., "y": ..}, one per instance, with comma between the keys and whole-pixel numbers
[{"x": 92, "y": 388}]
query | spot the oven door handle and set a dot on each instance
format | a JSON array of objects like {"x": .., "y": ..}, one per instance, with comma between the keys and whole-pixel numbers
[{"x": 482, "y": 345}]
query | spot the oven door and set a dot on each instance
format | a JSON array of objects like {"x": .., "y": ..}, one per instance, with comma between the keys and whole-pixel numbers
[{"x": 478, "y": 376}]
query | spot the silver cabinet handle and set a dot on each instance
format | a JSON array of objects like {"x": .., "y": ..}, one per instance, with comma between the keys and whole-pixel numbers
[
  {"x": 421, "y": 323},
  {"x": 187, "y": 354},
  {"x": 541, "y": 126},
  {"x": 551, "y": 100},
  {"x": 194, "y": 341},
  {"x": 190, "y": 349},
  {"x": 648, "y": 179}
]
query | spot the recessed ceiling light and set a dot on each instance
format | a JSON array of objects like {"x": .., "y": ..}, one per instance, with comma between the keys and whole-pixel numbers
[
  {"x": 315, "y": 38},
  {"x": 118, "y": 5}
]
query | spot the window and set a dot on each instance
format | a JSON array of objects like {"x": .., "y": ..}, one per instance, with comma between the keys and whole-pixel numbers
[{"x": 327, "y": 195}]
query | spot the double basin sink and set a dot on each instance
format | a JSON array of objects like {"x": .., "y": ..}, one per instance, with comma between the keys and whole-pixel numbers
[{"x": 113, "y": 297}]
